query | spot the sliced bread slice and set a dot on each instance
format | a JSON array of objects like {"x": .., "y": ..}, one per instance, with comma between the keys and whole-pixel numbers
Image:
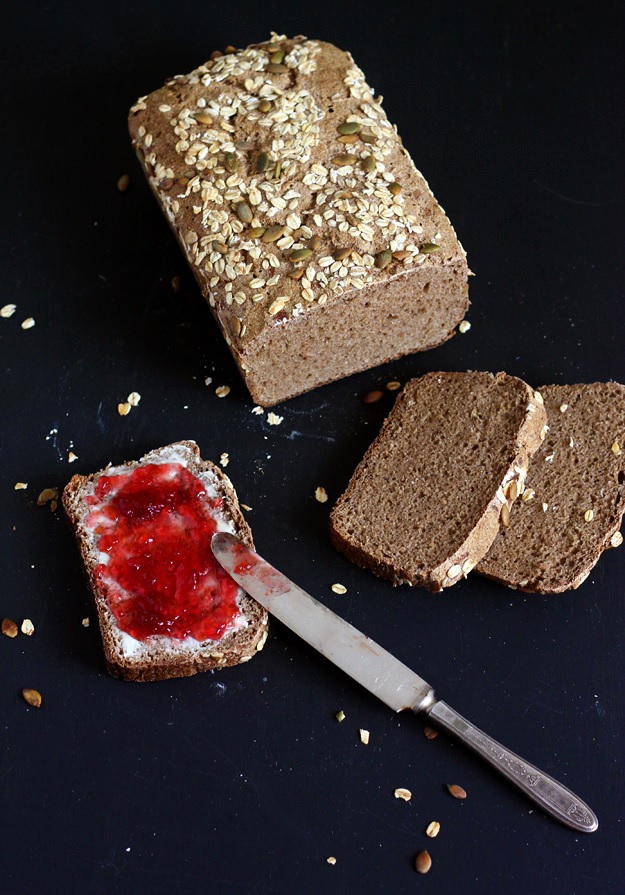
[
  {"x": 165, "y": 607},
  {"x": 429, "y": 496},
  {"x": 574, "y": 498}
]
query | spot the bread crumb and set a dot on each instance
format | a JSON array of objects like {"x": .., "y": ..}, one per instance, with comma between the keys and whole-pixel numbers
[
  {"x": 124, "y": 408},
  {"x": 222, "y": 390},
  {"x": 9, "y": 628},
  {"x": 123, "y": 183},
  {"x": 28, "y": 323},
  {"x": 321, "y": 494},
  {"x": 364, "y": 736},
  {"x": 27, "y": 627},
  {"x": 133, "y": 399},
  {"x": 273, "y": 419},
  {"x": 224, "y": 459},
  {"x": 545, "y": 507},
  {"x": 339, "y": 588},
  {"x": 8, "y": 310},
  {"x": 176, "y": 284},
  {"x": 402, "y": 793},
  {"x": 258, "y": 410},
  {"x": 85, "y": 622},
  {"x": 20, "y": 486},
  {"x": 616, "y": 449},
  {"x": 244, "y": 506},
  {"x": 340, "y": 716},
  {"x": 208, "y": 380},
  {"x": 331, "y": 859},
  {"x": 464, "y": 326},
  {"x": 564, "y": 408},
  {"x": 71, "y": 457}
]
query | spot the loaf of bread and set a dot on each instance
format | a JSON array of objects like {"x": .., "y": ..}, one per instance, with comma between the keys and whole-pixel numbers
[
  {"x": 165, "y": 607},
  {"x": 435, "y": 487},
  {"x": 318, "y": 245},
  {"x": 573, "y": 502}
]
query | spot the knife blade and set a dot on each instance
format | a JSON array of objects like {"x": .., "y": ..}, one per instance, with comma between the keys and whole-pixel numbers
[{"x": 386, "y": 677}]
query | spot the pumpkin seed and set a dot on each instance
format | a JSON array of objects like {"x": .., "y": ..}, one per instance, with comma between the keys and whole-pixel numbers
[
  {"x": 383, "y": 259},
  {"x": 401, "y": 256},
  {"x": 367, "y": 137},
  {"x": 349, "y": 127},
  {"x": 231, "y": 162},
  {"x": 348, "y": 138},
  {"x": 32, "y": 697},
  {"x": 264, "y": 105},
  {"x": 277, "y": 57},
  {"x": 256, "y": 232},
  {"x": 428, "y": 248},
  {"x": 341, "y": 254},
  {"x": 300, "y": 254},
  {"x": 203, "y": 118},
  {"x": 274, "y": 233},
  {"x": 217, "y": 246},
  {"x": 277, "y": 68},
  {"x": 244, "y": 212},
  {"x": 262, "y": 162},
  {"x": 394, "y": 188},
  {"x": 368, "y": 164},
  {"x": 345, "y": 158},
  {"x": 314, "y": 242}
]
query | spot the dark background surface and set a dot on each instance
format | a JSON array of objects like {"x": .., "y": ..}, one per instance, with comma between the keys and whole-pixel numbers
[{"x": 243, "y": 781}]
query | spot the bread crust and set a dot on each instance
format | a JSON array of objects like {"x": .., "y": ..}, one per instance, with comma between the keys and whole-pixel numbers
[
  {"x": 160, "y": 657},
  {"x": 465, "y": 548},
  {"x": 243, "y": 145}
]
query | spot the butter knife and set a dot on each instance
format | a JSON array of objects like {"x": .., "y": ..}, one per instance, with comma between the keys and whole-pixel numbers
[{"x": 386, "y": 677}]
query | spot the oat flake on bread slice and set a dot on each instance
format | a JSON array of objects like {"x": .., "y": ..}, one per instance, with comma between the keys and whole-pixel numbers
[
  {"x": 242, "y": 631},
  {"x": 431, "y": 493},
  {"x": 572, "y": 508}
]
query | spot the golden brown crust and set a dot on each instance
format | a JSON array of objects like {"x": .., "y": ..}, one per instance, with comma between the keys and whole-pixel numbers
[
  {"x": 159, "y": 657},
  {"x": 286, "y": 216},
  {"x": 415, "y": 510}
]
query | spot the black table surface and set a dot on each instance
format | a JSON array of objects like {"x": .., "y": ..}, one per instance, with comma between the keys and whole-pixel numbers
[{"x": 243, "y": 781}]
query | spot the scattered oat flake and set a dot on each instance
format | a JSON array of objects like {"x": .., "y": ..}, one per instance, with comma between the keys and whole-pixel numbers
[
  {"x": 331, "y": 859},
  {"x": 27, "y": 627},
  {"x": 222, "y": 390},
  {"x": 208, "y": 380},
  {"x": 364, "y": 736},
  {"x": 71, "y": 457},
  {"x": 9, "y": 628},
  {"x": 589, "y": 515},
  {"x": 28, "y": 323},
  {"x": 339, "y": 588},
  {"x": 124, "y": 408},
  {"x": 401, "y": 793},
  {"x": 224, "y": 459},
  {"x": 433, "y": 829},
  {"x": 340, "y": 716},
  {"x": 616, "y": 449},
  {"x": 456, "y": 791},
  {"x": 321, "y": 494},
  {"x": 393, "y": 385},
  {"x": 8, "y": 310},
  {"x": 464, "y": 326},
  {"x": 133, "y": 399},
  {"x": 244, "y": 506},
  {"x": 616, "y": 540},
  {"x": 258, "y": 410},
  {"x": 85, "y": 622},
  {"x": 273, "y": 419},
  {"x": 20, "y": 486}
]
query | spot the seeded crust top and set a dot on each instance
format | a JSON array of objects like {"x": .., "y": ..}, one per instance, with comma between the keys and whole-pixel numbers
[{"x": 285, "y": 182}]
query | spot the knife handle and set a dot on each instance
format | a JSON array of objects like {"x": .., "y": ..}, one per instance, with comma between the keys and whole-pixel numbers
[{"x": 553, "y": 797}]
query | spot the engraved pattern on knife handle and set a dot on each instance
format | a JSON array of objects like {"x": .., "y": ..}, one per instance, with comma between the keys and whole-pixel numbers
[{"x": 553, "y": 797}]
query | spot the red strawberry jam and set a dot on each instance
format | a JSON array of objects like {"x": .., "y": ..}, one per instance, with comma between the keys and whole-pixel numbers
[{"x": 155, "y": 524}]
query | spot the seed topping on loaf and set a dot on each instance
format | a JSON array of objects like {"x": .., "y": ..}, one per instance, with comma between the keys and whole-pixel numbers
[{"x": 264, "y": 164}]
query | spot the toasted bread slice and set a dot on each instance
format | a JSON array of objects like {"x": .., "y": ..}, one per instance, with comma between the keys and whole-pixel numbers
[
  {"x": 574, "y": 499},
  {"x": 165, "y": 608},
  {"x": 430, "y": 495}
]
